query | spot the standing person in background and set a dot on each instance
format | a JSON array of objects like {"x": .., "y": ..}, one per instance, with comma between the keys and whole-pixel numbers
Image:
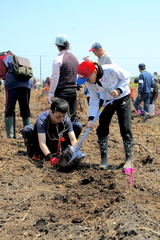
[
  {"x": 103, "y": 56},
  {"x": 111, "y": 82},
  {"x": 144, "y": 89},
  {"x": 34, "y": 86},
  {"x": 63, "y": 79},
  {"x": 48, "y": 81},
  {"x": 132, "y": 94},
  {"x": 15, "y": 90},
  {"x": 153, "y": 96},
  {"x": 155, "y": 75}
]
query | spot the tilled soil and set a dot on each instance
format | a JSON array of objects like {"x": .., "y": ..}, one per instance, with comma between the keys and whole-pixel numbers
[{"x": 39, "y": 201}]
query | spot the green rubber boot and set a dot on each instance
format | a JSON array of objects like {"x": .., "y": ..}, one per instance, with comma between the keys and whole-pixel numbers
[
  {"x": 10, "y": 127},
  {"x": 26, "y": 121}
]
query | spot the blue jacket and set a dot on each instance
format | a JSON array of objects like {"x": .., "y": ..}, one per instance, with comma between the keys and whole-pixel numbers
[
  {"x": 11, "y": 80},
  {"x": 145, "y": 82}
]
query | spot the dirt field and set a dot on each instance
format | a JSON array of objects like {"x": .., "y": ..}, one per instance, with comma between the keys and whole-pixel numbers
[{"x": 41, "y": 202}]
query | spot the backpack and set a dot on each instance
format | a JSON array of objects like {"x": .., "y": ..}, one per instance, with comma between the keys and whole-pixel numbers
[
  {"x": 22, "y": 68},
  {"x": 3, "y": 68}
]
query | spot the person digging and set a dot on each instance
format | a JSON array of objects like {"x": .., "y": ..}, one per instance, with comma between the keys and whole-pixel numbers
[
  {"x": 53, "y": 137},
  {"x": 112, "y": 82}
]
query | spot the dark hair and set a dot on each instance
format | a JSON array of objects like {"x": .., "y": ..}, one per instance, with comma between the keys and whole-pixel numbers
[
  {"x": 136, "y": 80},
  {"x": 63, "y": 47},
  {"x": 59, "y": 105},
  {"x": 142, "y": 66},
  {"x": 9, "y": 52},
  {"x": 100, "y": 71}
]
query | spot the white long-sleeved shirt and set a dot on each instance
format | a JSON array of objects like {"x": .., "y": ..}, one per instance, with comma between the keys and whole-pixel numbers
[
  {"x": 57, "y": 63},
  {"x": 114, "y": 77},
  {"x": 70, "y": 74}
]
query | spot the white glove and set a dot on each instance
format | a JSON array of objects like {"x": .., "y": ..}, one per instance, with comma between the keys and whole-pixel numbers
[{"x": 50, "y": 97}]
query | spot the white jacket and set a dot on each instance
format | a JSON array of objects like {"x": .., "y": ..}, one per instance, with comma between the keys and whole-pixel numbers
[{"x": 114, "y": 77}]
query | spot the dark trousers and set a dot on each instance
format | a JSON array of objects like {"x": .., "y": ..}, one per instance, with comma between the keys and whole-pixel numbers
[
  {"x": 123, "y": 109},
  {"x": 145, "y": 97},
  {"x": 23, "y": 96},
  {"x": 153, "y": 97},
  {"x": 70, "y": 95}
]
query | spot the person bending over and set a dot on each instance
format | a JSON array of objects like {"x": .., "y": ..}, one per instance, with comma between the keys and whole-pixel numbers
[{"x": 112, "y": 82}]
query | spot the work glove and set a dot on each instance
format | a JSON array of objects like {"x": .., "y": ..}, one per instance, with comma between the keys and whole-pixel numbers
[
  {"x": 53, "y": 160},
  {"x": 50, "y": 97},
  {"x": 91, "y": 124}
]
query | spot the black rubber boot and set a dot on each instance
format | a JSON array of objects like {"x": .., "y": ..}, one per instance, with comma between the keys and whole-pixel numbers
[
  {"x": 28, "y": 135},
  {"x": 129, "y": 152},
  {"x": 103, "y": 144}
]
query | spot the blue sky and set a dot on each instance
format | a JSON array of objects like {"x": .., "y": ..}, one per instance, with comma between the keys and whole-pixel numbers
[{"x": 128, "y": 30}]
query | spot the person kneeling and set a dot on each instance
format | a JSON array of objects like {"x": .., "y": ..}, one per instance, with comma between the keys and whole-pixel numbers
[{"x": 52, "y": 133}]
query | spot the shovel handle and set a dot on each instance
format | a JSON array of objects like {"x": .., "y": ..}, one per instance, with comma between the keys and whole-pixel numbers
[
  {"x": 88, "y": 129},
  {"x": 94, "y": 120}
]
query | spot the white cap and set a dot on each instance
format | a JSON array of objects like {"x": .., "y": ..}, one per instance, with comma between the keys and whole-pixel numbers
[{"x": 62, "y": 40}]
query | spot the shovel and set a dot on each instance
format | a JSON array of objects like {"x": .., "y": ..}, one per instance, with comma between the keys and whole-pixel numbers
[{"x": 76, "y": 151}]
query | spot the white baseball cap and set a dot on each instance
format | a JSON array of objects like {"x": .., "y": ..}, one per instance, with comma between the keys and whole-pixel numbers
[{"x": 62, "y": 40}]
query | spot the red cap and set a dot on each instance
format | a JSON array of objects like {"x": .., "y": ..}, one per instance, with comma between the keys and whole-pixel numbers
[{"x": 84, "y": 70}]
